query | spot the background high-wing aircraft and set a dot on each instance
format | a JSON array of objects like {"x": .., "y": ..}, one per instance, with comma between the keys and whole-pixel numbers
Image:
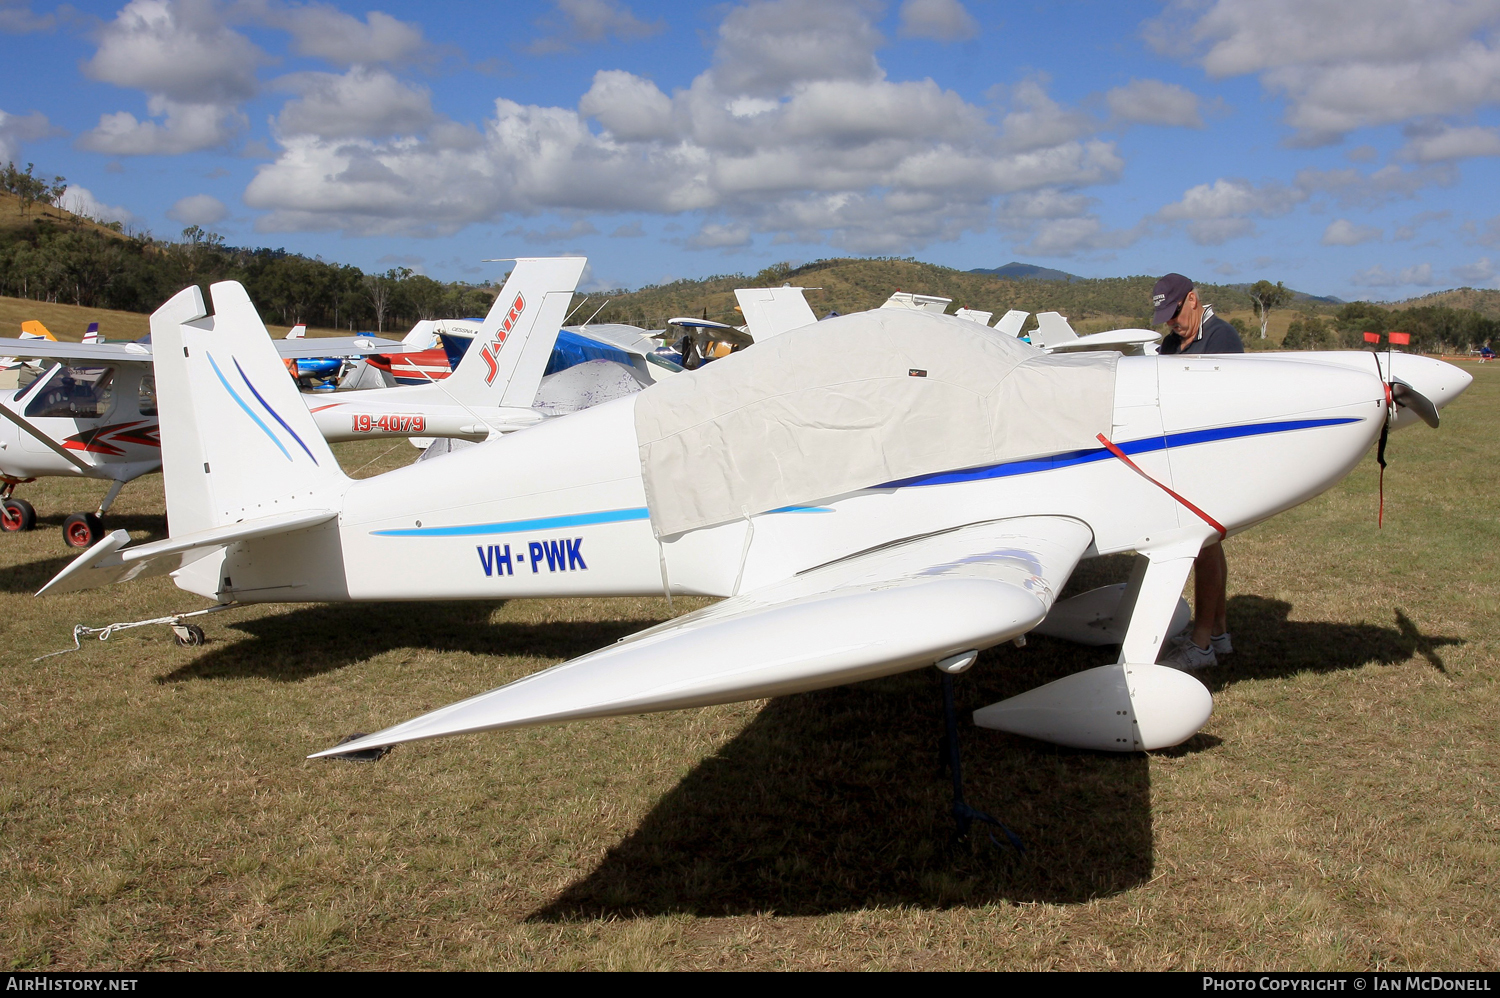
[
  {"x": 92, "y": 413},
  {"x": 491, "y": 390},
  {"x": 872, "y": 493}
]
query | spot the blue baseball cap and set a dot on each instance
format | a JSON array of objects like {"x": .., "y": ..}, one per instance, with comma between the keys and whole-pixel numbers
[{"x": 1167, "y": 295}]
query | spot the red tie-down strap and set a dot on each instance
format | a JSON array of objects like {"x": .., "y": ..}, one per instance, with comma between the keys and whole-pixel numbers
[{"x": 1117, "y": 452}]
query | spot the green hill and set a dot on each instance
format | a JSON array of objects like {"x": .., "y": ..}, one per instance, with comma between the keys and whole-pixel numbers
[
  {"x": 1486, "y": 303},
  {"x": 852, "y": 285}
]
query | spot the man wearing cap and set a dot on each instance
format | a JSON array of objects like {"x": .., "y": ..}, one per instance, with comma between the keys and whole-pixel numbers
[{"x": 1195, "y": 329}]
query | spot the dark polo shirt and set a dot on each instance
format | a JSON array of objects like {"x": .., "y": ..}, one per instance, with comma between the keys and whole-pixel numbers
[{"x": 1216, "y": 336}]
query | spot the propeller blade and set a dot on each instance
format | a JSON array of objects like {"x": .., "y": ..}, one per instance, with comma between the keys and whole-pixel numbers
[{"x": 1405, "y": 395}]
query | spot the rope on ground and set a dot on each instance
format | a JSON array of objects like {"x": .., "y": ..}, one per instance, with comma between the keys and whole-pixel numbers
[{"x": 81, "y": 631}]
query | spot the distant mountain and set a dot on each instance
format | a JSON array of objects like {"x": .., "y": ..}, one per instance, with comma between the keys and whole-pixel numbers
[
  {"x": 1301, "y": 297},
  {"x": 1016, "y": 271}
]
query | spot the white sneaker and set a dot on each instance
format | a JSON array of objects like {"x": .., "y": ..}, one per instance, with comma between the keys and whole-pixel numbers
[
  {"x": 1188, "y": 657},
  {"x": 1221, "y": 644}
]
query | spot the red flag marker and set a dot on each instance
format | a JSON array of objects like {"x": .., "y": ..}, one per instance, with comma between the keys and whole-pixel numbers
[
  {"x": 1372, "y": 337},
  {"x": 1400, "y": 339}
]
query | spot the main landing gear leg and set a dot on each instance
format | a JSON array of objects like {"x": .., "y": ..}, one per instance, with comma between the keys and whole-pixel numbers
[
  {"x": 82, "y": 530},
  {"x": 109, "y": 498},
  {"x": 964, "y": 816}
]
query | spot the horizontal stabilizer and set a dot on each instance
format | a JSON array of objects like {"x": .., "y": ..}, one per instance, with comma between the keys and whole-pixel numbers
[
  {"x": 106, "y": 563},
  {"x": 1114, "y": 708},
  {"x": 882, "y": 612}
]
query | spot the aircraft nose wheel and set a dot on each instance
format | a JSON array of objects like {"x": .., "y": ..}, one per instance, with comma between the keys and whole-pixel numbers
[
  {"x": 17, "y": 515},
  {"x": 81, "y": 530}
]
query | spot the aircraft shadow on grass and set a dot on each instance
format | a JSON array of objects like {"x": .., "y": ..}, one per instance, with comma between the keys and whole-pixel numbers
[
  {"x": 835, "y": 800},
  {"x": 320, "y": 638}
]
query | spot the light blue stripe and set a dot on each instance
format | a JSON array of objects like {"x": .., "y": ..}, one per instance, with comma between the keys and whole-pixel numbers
[
  {"x": 235, "y": 395},
  {"x": 273, "y": 412},
  {"x": 516, "y": 526},
  {"x": 801, "y": 509}
]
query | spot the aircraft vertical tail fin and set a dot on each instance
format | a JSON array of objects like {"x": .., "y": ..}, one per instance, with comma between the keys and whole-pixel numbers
[
  {"x": 1011, "y": 322},
  {"x": 91, "y": 335},
  {"x": 33, "y": 330},
  {"x": 1051, "y": 330},
  {"x": 237, "y": 440},
  {"x": 772, "y": 311},
  {"x": 297, "y": 332},
  {"x": 505, "y": 363}
]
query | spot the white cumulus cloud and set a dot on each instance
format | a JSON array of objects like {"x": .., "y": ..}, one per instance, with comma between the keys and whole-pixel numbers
[
  {"x": 81, "y": 201},
  {"x": 1377, "y": 276},
  {"x": 1342, "y": 232},
  {"x": 1479, "y": 273},
  {"x": 194, "y": 69},
  {"x": 942, "y": 20},
  {"x": 364, "y": 102},
  {"x": 16, "y": 129},
  {"x": 198, "y": 209},
  {"x": 324, "y": 31},
  {"x": 1154, "y": 102},
  {"x": 793, "y": 131},
  {"x": 1344, "y": 65},
  {"x": 590, "y": 21},
  {"x": 1428, "y": 145}
]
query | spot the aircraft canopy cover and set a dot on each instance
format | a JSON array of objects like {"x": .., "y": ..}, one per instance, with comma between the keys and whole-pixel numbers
[{"x": 854, "y": 402}]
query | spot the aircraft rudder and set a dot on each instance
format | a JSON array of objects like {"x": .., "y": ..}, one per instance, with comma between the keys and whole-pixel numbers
[{"x": 504, "y": 364}]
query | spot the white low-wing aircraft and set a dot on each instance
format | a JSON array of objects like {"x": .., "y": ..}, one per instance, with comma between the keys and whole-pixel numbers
[
  {"x": 871, "y": 494},
  {"x": 1054, "y": 335},
  {"x": 492, "y": 389},
  {"x": 92, "y": 414}
]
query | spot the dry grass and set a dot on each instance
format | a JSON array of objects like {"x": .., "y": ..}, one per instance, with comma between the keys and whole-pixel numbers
[
  {"x": 1340, "y": 809},
  {"x": 68, "y": 322}
]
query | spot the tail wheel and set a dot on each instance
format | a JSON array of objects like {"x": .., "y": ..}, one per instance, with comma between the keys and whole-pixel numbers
[
  {"x": 188, "y": 635},
  {"x": 81, "y": 530},
  {"x": 17, "y": 515}
]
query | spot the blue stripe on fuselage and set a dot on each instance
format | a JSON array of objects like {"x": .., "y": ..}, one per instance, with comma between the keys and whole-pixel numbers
[
  {"x": 516, "y": 526},
  {"x": 1143, "y": 446},
  {"x": 1007, "y": 470}
]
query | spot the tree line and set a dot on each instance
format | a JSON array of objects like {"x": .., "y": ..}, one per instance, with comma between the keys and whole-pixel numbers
[
  {"x": 71, "y": 261},
  {"x": 1433, "y": 328}
]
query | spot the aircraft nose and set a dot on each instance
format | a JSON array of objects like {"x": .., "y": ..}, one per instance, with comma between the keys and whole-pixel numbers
[{"x": 1438, "y": 381}]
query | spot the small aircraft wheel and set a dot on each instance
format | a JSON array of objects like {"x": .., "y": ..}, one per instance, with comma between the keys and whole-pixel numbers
[
  {"x": 81, "y": 530},
  {"x": 188, "y": 635},
  {"x": 16, "y": 516}
]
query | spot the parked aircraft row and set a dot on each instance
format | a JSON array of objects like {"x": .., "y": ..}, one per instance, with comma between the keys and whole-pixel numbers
[
  {"x": 868, "y": 494},
  {"x": 91, "y": 410}
]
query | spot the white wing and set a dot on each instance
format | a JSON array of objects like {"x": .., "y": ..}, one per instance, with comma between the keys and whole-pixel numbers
[
  {"x": 1124, "y": 340},
  {"x": 140, "y": 353},
  {"x": 896, "y": 608},
  {"x": 109, "y": 353}
]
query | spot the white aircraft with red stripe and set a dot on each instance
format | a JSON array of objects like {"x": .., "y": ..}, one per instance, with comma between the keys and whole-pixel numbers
[
  {"x": 90, "y": 412},
  {"x": 869, "y": 494},
  {"x": 491, "y": 390}
]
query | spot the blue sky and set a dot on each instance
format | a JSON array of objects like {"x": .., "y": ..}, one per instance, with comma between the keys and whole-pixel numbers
[{"x": 1345, "y": 148}]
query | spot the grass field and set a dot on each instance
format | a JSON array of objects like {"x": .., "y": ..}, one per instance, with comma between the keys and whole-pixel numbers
[{"x": 1340, "y": 810}]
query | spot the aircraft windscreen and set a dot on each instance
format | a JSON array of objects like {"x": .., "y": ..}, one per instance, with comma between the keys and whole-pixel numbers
[{"x": 74, "y": 393}]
